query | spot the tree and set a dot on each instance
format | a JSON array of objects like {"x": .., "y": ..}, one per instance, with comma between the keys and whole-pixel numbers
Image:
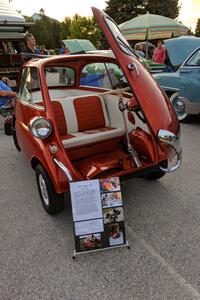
[
  {"x": 165, "y": 8},
  {"x": 125, "y": 10},
  {"x": 84, "y": 28},
  {"x": 197, "y": 30},
  {"x": 65, "y": 28},
  {"x": 46, "y": 31}
]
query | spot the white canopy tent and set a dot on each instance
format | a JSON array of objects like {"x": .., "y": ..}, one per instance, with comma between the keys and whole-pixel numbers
[{"x": 9, "y": 14}]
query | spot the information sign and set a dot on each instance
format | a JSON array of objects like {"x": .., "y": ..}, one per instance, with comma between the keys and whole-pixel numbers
[{"x": 98, "y": 214}]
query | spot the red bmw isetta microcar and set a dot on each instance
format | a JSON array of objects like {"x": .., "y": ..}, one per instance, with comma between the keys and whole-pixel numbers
[{"x": 89, "y": 116}]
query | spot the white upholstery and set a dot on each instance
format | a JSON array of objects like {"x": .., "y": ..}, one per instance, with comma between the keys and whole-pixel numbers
[
  {"x": 112, "y": 115},
  {"x": 84, "y": 138},
  {"x": 70, "y": 114},
  {"x": 89, "y": 138}
]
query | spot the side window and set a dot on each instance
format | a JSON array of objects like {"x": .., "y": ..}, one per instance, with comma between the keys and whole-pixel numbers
[
  {"x": 194, "y": 60},
  {"x": 60, "y": 76},
  {"x": 103, "y": 75},
  {"x": 29, "y": 89}
]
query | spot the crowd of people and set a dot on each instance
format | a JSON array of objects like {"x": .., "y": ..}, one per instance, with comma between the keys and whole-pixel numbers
[{"x": 158, "y": 54}]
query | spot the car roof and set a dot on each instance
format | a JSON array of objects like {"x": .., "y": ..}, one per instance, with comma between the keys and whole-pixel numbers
[{"x": 38, "y": 61}]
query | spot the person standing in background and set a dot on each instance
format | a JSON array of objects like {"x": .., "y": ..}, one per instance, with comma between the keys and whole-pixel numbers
[
  {"x": 6, "y": 93},
  {"x": 159, "y": 53},
  {"x": 30, "y": 42}
]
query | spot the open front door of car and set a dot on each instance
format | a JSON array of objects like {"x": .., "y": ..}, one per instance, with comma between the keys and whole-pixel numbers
[{"x": 155, "y": 105}]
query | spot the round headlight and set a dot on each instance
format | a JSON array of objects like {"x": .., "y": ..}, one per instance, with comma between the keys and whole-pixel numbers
[{"x": 40, "y": 127}]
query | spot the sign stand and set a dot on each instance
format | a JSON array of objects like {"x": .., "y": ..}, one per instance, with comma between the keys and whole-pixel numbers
[{"x": 98, "y": 215}]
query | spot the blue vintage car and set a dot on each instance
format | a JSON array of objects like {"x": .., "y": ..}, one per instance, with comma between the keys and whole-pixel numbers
[{"x": 183, "y": 85}]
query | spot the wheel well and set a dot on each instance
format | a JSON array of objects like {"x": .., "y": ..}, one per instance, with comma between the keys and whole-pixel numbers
[
  {"x": 170, "y": 93},
  {"x": 34, "y": 162}
]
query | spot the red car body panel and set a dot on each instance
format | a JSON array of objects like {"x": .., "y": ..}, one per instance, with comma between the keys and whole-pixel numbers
[
  {"x": 155, "y": 107},
  {"x": 145, "y": 87}
]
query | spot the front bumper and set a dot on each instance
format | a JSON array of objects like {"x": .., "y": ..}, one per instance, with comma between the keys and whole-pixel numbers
[{"x": 172, "y": 140}]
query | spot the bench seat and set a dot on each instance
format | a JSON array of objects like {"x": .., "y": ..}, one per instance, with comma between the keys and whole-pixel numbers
[
  {"x": 83, "y": 120},
  {"x": 78, "y": 139}
]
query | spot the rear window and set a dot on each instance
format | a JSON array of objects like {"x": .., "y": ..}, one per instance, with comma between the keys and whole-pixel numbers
[{"x": 60, "y": 76}]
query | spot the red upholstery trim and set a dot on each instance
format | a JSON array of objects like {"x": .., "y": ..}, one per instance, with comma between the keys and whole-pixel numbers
[
  {"x": 89, "y": 113},
  {"x": 60, "y": 118}
]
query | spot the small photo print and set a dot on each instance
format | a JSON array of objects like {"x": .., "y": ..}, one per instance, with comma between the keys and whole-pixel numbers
[
  {"x": 111, "y": 199},
  {"x": 90, "y": 242},
  {"x": 109, "y": 184},
  {"x": 112, "y": 215},
  {"x": 116, "y": 235}
]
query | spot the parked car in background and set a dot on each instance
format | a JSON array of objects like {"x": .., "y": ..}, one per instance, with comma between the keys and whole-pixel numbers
[
  {"x": 183, "y": 85},
  {"x": 78, "y": 45},
  {"x": 72, "y": 131}
]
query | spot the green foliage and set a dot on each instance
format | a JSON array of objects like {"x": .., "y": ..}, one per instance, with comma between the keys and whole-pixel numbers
[
  {"x": 197, "y": 30},
  {"x": 64, "y": 28},
  {"x": 169, "y": 8},
  {"x": 50, "y": 32},
  {"x": 125, "y": 10},
  {"x": 84, "y": 28}
]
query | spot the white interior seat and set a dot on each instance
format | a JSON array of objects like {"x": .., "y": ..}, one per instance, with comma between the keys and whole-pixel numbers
[{"x": 87, "y": 121}]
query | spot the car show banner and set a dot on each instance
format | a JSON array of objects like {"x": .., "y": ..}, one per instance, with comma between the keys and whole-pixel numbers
[{"x": 98, "y": 215}]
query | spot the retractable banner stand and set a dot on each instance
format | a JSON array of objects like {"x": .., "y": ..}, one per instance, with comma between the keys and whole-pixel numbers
[{"x": 98, "y": 215}]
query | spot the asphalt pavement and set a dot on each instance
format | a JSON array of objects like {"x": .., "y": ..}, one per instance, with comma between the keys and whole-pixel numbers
[{"x": 162, "y": 225}]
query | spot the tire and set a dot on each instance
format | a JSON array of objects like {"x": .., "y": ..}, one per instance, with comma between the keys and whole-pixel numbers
[
  {"x": 157, "y": 174},
  {"x": 182, "y": 115},
  {"x": 52, "y": 202},
  {"x": 8, "y": 128}
]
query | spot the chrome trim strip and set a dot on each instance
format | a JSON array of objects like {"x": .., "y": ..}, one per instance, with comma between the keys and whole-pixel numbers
[
  {"x": 168, "y": 88},
  {"x": 63, "y": 168}
]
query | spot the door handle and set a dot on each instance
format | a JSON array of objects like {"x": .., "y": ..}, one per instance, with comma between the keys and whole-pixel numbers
[{"x": 132, "y": 66}]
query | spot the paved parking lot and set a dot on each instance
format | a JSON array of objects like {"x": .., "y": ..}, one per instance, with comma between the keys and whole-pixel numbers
[{"x": 162, "y": 224}]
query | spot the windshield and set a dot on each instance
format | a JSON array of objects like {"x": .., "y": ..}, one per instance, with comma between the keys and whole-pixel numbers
[{"x": 120, "y": 39}]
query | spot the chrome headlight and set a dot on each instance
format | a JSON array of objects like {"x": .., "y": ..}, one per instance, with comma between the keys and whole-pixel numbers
[{"x": 40, "y": 127}]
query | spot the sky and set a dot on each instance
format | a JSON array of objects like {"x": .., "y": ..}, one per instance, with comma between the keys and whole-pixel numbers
[{"x": 59, "y": 9}]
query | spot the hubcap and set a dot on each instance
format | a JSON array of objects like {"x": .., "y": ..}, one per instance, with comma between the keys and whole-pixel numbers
[
  {"x": 178, "y": 106},
  {"x": 43, "y": 190}
]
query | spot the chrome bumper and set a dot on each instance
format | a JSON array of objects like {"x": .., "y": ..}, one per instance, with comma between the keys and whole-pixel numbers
[{"x": 173, "y": 140}]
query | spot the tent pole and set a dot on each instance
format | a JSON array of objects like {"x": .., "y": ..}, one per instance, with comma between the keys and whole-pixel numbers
[{"x": 147, "y": 43}]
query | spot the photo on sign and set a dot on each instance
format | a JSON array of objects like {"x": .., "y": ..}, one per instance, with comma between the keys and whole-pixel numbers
[
  {"x": 116, "y": 234},
  {"x": 112, "y": 215},
  {"x": 109, "y": 184},
  {"x": 111, "y": 199},
  {"x": 90, "y": 242}
]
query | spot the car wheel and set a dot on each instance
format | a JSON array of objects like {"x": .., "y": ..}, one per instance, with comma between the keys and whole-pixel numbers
[
  {"x": 8, "y": 128},
  {"x": 180, "y": 110},
  {"x": 52, "y": 202}
]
